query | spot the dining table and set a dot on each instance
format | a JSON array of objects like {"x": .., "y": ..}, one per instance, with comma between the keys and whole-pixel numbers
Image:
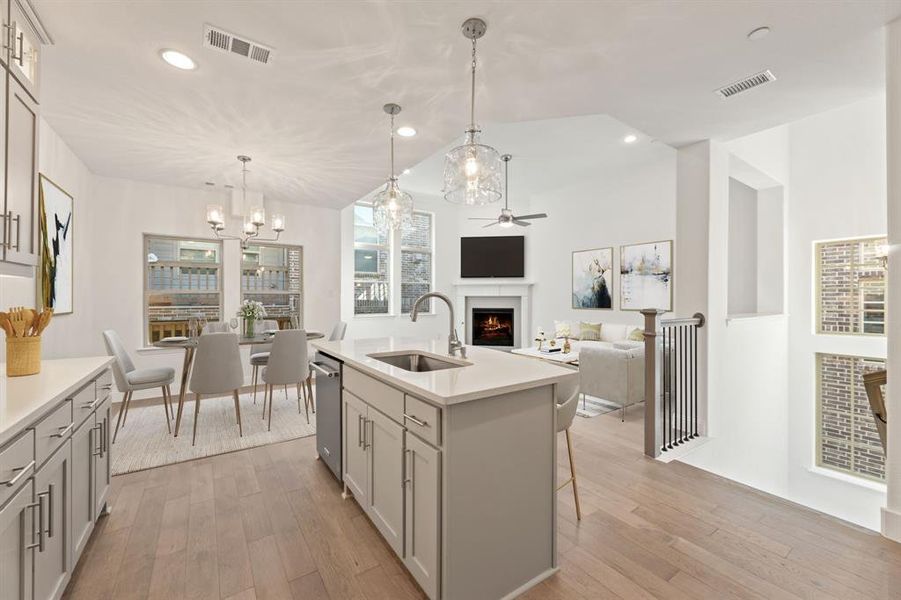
[{"x": 189, "y": 345}]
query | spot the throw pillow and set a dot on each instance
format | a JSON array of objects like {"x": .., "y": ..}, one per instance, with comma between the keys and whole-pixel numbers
[
  {"x": 562, "y": 329},
  {"x": 590, "y": 331},
  {"x": 636, "y": 335}
]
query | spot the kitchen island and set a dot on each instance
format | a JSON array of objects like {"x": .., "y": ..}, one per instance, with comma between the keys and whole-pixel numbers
[{"x": 454, "y": 460}]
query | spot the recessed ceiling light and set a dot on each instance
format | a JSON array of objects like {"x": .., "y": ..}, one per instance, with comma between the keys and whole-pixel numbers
[
  {"x": 631, "y": 138},
  {"x": 406, "y": 131},
  {"x": 759, "y": 33},
  {"x": 406, "y": 172},
  {"x": 210, "y": 183},
  {"x": 178, "y": 60}
]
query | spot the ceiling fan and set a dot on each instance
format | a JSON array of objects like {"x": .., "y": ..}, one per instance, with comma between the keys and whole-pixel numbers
[{"x": 507, "y": 218}]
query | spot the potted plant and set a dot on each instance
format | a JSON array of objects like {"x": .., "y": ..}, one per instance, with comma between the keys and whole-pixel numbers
[{"x": 251, "y": 311}]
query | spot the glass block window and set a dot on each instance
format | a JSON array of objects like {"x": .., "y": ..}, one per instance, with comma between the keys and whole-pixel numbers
[
  {"x": 372, "y": 265},
  {"x": 416, "y": 261},
  {"x": 182, "y": 279},
  {"x": 273, "y": 275},
  {"x": 850, "y": 287},
  {"x": 847, "y": 439}
]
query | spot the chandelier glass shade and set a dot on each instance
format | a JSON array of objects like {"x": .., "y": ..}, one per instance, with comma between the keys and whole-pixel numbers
[
  {"x": 472, "y": 172},
  {"x": 392, "y": 208}
]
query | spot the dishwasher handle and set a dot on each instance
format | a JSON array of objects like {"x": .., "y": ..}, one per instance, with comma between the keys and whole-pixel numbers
[{"x": 328, "y": 373}]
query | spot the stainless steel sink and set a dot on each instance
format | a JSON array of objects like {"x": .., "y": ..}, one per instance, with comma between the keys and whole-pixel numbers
[{"x": 418, "y": 362}]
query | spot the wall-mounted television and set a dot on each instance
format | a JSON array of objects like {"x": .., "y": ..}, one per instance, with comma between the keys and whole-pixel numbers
[{"x": 495, "y": 256}]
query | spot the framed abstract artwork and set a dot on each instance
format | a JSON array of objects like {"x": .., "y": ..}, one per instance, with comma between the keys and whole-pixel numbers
[
  {"x": 55, "y": 214},
  {"x": 592, "y": 278},
  {"x": 646, "y": 276}
]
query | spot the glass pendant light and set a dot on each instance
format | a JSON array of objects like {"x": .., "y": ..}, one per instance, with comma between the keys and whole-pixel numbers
[
  {"x": 392, "y": 208},
  {"x": 472, "y": 172}
]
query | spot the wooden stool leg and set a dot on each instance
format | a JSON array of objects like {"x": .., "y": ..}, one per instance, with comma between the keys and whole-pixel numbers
[
  {"x": 310, "y": 392},
  {"x": 306, "y": 404},
  {"x": 271, "y": 393},
  {"x": 572, "y": 471},
  {"x": 166, "y": 408},
  {"x": 238, "y": 413},
  {"x": 121, "y": 410},
  {"x": 196, "y": 417},
  {"x": 169, "y": 397},
  {"x": 253, "y": 383},
  {"x": 298, "y": 399}
]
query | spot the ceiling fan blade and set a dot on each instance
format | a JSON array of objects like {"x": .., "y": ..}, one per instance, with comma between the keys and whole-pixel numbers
[
  {"x": 521, "y": 223},
  {"x": 489, "y": 225},
  {"x": 535, "y": 216},
  {"x": 481, "y": 219}
]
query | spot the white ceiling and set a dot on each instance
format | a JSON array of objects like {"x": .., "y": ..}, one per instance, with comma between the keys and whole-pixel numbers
[{"x": 312, "y": 120}]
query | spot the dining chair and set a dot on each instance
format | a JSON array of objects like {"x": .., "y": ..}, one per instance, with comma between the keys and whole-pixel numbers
[
  {"x": 567, "y": 397},
  {"x": 259, "y": 353},
  {"x": 217, "y": 370},
  {"x": 130, "y": 379},
  {"x": 216, "y": 327},
  {"x": 288, "y": 365},
  {"x": 337, "y": 334}
]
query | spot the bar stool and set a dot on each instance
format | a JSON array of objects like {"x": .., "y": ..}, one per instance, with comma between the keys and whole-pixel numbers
[{"x": 566, "y": 412}]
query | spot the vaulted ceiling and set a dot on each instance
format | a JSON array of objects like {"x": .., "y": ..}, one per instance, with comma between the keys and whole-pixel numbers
[{"x": 312, "y": 119}]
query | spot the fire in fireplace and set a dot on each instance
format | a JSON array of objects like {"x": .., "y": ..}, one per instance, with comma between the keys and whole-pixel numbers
[{"x": 492, "y": 327}]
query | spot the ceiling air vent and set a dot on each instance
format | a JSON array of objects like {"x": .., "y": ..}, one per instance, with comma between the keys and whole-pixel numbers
[
  {"x": 225, "y": 41},
  {"x": 746, "y": 84}
]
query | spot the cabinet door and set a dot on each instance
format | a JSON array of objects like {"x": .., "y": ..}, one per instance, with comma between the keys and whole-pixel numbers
[
  {"x": 16, "y": 533},
  {"x": 7, "y": 35},
  {"x": 422, "y": 497},
  {"x": 385, "y": 444},
  {"x": 21, "y": 176},
  {"x": 24, "y": 50},
  {"x": 84, "y": 441},
  {"x": 53, "y": 565},
  {"x": 355, "y": 466},
  {"x": 102, "y": 463}
]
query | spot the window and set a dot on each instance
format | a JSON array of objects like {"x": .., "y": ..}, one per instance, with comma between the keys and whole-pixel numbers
[
  {"x": 372, "y": 260},
  {"x": 183, "y": 279},
  {"x": 847, "y": 439},
  {"x": 273, "y": 275},
  {"x": 850, "y": 287},
  {"x": 416, "y": 261}
]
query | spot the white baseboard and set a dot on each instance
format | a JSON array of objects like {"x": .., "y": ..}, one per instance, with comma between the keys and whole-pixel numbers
[{"x": 891, "y": 524}]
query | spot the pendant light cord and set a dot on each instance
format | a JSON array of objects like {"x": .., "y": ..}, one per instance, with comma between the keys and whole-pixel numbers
[
  {"x": 392, "y": 147},
  {"x": 472, "y": 95},
  {"x": 506, "y": 189}
]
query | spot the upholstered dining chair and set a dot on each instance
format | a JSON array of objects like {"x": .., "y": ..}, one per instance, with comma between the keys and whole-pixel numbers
[
  {"x": 216, "y": 327},
  {"x": 288, "y": 365},
  {"x": 130, "y": 379},
  {"x": 217, "y": 370},
  {"x": 567, "y": 403},
  {"x": 337, "y": 334},
  {"x": 259, "y": 353}
]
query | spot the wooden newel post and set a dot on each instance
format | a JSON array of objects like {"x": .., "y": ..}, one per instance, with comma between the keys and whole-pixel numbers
[{"x": 653, "y": 401}]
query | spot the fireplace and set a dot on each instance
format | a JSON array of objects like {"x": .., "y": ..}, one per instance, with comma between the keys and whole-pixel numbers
[{"x": 493, "y": 327}]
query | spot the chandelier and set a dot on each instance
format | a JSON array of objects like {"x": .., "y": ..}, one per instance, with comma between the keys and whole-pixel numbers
[
  {"x": 392, "y": 208},
  {"x": 254, "y": 219},
  {"x": 472, "y": 172}
]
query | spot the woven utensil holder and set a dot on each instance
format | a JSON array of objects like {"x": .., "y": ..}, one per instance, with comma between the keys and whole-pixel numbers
[{"x": 23, "y": 356}]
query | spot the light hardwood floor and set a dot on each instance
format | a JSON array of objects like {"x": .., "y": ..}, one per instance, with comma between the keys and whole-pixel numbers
[{"x": 269, "y": 522}]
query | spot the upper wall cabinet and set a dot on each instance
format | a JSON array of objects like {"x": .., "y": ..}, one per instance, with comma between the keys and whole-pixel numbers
[
  {"x": 24, "y": 48},
  {"x": 21, "y": 177}
]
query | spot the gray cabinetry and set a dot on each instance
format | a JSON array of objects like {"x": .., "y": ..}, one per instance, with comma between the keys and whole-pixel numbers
[
  {"x": 385, "y": 500},
  {"x": 53, "y": 493},
  {"x": 16, "y": 535},
  {"x": 21, "y": 176},
  {"x": 422, "y": 499}
]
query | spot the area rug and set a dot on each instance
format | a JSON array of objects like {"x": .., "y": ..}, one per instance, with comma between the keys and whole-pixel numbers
[
  {"x": 144, "y": 441},
  {"x": 589, "y": 407}
]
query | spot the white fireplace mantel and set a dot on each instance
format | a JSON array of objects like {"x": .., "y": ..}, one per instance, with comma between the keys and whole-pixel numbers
[{"x": 498, "y": 288}]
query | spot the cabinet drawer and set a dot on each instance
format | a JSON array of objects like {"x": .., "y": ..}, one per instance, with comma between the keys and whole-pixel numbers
[
  {"x": 375, "y": 393},
  {"x": 103, "y": 385},
  {"x": 83, "y": 403},
  {"x": 423, "y": 419},
  {"x": 16, "y": 465},
  {"x": 52, "y": 431}
]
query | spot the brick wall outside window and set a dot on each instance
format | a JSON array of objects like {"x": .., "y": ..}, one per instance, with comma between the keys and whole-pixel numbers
[{"x": 851, "y": 287}]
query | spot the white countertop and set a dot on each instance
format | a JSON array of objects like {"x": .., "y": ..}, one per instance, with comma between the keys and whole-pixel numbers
[
  {"x": 490, "y": 373},
  {"x": 24, "y": 400}
]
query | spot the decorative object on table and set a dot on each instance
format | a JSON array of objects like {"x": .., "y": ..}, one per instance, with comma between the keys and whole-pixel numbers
[
  {"x": 254, "y": 219},
  {"x": 251, "y": 311},
  {"x": 23, "y": 327},
  {"x": 646, "y": 276},
  {"x": 540, "y": 337},
  {"x": 392, "y": 208},
  {"x": 552, "y": 344},
  {"x": 562, "y": 329},
  {"x": 55, "y": 217},
  {"x": 472, "y": 171},
  {"x": 566, "y": 345},
  {"x": 589, "y": 332},
  {"x": 592, "y": 278},
  {"x": 507, "y": 219}
]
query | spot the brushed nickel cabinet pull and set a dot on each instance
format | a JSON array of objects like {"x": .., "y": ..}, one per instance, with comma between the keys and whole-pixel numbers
[
  {"x": 415, "y": 420},
  {"x": 49, "y": 493},
  {"x": 40, "y": 543},
  {"x": 63, "y": 431},
  {"x": 23, "y": 471}
]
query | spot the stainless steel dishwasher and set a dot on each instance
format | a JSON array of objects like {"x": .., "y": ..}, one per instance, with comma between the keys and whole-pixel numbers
[{"x": 328, "y": 411}]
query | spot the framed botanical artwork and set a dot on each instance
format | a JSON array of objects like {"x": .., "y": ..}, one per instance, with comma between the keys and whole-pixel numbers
[
  {"x": 592, "y": 278},
  {"x": 646, "y": 276},
  {"x": 55, "y": 215}
]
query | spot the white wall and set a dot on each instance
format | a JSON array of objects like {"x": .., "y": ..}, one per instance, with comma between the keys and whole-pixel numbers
[{"x": 742, "y": 248}]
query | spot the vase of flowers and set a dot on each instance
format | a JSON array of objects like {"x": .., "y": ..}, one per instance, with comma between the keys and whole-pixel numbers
[{"x": 251, "y": 311}]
